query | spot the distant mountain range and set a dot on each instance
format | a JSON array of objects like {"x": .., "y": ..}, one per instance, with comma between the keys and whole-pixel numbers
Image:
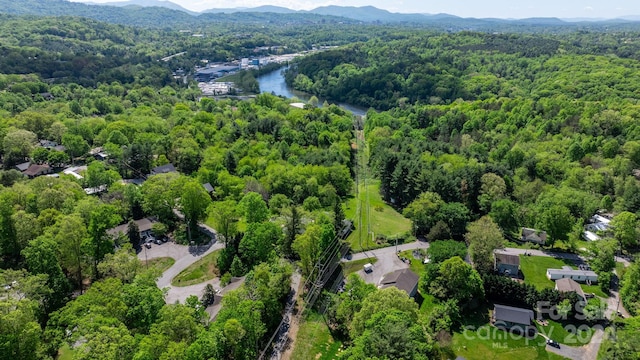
[
  {"x": 161, "y": 13},
  {"x": 145, "y": 3},
  {"x": 364, "y": 13}
]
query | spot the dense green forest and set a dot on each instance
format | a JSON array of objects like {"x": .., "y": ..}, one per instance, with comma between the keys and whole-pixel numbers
[{"x": 475, "y": 135}]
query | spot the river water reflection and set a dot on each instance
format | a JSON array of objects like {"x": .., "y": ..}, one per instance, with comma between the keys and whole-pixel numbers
[{"x": 274, "y": 83}]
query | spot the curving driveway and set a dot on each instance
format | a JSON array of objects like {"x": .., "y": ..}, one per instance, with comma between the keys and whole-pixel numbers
[{"x": 184, "y": 256}]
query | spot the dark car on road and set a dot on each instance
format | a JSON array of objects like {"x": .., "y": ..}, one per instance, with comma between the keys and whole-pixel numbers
[{"x": 553, "y": 343}]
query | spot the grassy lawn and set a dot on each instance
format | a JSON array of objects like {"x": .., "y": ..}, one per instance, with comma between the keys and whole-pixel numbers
[
  {"x": 416, "y": 264},
  {"x": 481, "y": 341},
  {"x": 384, "y": 219},
  {"x": 314, "y": 341},
  {"x": 428, "y": 302},
  {"x": 200, "y": 271},
  {"x": 65, "y": 353},
  {"x": 594, "y": 289},
  {"x": 161, "y": 264},
  {"x": 535, "y": 268},
  {"x": 567, "y": 333},
  {"x": 356, "y": 265}
]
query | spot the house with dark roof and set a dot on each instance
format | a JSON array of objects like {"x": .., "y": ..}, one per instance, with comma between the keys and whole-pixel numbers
[
  {"x": 513, "y": 319},
  {"x": 36, "y": 170},
  {"x": 404, "y": 279},
  {"x": 144, "y": 226},
  {"x": 47, "y": 96},
  {"x": 23, "y": 167},
  {"x": 566, "y": 285},
  {"x": 534, "y": 236},
  {"x": 506, "y": 263},
  {"x": 164, "y": 169}
]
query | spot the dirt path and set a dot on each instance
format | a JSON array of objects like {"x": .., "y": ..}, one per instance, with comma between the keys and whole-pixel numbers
[{"x": 294, "y": 325}]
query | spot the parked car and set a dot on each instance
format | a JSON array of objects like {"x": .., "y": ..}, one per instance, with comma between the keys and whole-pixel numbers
[{"x": 553, "y": 343}]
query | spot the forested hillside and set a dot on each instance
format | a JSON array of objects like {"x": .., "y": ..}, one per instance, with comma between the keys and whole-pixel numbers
[{"x": 436, "y": 68}]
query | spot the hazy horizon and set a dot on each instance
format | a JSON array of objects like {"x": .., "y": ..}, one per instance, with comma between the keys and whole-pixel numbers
[{"x": 464, "y": 8}]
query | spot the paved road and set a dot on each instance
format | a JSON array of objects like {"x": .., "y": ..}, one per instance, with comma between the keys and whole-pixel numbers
[
  {"x": 390, "y": 250},
  {"x": 184, "y": 256},
  {"x": 586, "y": 352},
  {"x": 386, "y": 260}
]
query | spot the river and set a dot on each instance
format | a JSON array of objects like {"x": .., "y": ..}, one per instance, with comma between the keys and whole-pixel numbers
[{"x": 274, "y": 83}]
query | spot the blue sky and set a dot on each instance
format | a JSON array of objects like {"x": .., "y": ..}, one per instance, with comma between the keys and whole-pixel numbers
[{"x": 464, "y": 8}]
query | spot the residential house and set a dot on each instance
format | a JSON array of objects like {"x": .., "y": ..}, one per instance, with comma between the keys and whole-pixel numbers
[
  {"x": 404, "y": 279},
  {"x": 164, "y": 169},
  {"x": 144, "y": 226},
  {"x": 513, "y": 319},
  {"x": 583, "y": 276},
  {"x": 36, "y": 170},
  {"x": 597, "y": 224},
  {"x": 506, "y": 263},
  {"x": 99, "y": 154},
  {"x": 47, "y": 96},
  {"x": 75, "y": 171},
  {"x": 23, "y": 167},
  {"x": 52, "y": 145},
  {"x": 534, "y": 236},
  {"x": 566, "y": 285}
]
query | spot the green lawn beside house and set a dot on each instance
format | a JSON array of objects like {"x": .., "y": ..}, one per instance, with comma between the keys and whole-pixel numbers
[
  {"x": 534, "y": 269},
  {"x": 478, "y": 340}
]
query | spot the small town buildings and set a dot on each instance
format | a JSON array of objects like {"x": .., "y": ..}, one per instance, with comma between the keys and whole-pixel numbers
[
  {"x": 164, "y": 169},
  {"x": 404, "y": 279},
  {"x": 513, "y": 319},
  {"x": 582, "y": 276},
  {"x": 534, "y": 236},
  {"x": 35, "y": 170},
  {"x": 566, "y": 285},
  {"x": 215, "y": 71},
  {"x": 506, "y": 263},
  {"x": 144, "y": 226}
]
